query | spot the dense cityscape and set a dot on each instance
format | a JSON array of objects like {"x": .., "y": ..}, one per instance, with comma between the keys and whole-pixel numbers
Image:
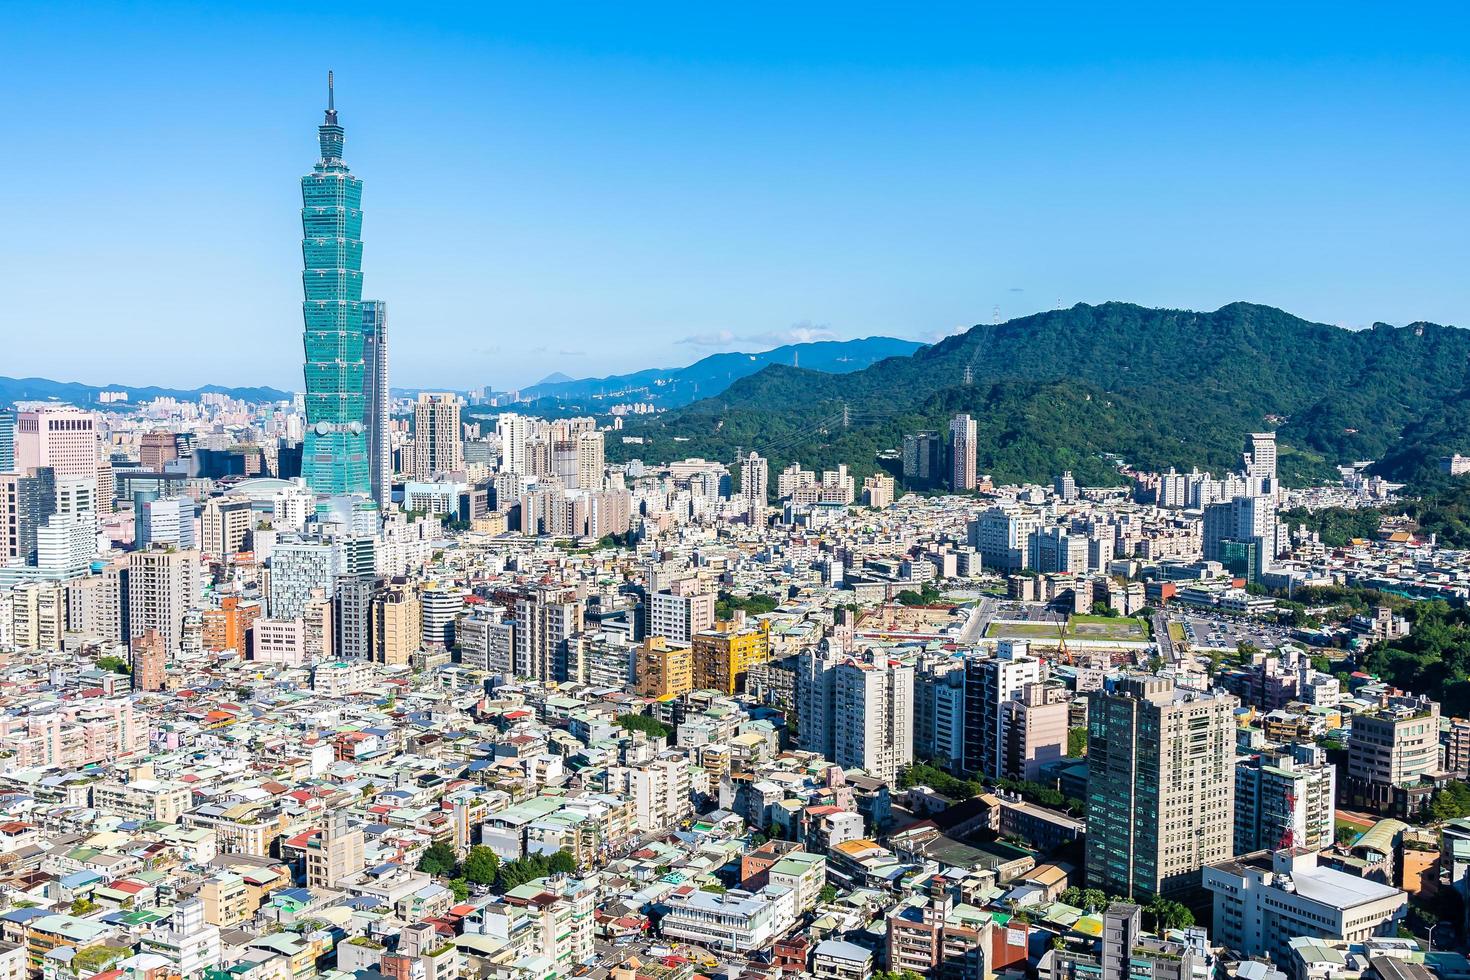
[{"x": 370, "y": 682}]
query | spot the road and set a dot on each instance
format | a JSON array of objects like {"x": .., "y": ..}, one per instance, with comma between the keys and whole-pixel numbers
[
  {"x": 980, "y": 617},
  {"x": 1167, "y": 653}
]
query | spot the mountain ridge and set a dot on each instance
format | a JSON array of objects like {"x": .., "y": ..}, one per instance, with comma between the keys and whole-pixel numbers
[
  {"x": 80, "y": 393},
  {"x": 1194, "y": 383}
]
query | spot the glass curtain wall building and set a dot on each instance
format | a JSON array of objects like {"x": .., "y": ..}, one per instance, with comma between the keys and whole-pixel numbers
[{"x": 335, "y": 457}]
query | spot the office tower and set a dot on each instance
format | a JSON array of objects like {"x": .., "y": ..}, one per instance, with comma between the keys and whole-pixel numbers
[
  {"x": 352, "y": 600},
  {"x": 990, "y": 682},
  {"x": 26, "y": 503},
  {"x": 1260, "y": 458},
  {"x": 962, "y": 453},
  {"x": 514, "y": 431},
  {"x": 225, "y": 524},
  {"x": 1393, "y": 751},
  {"x": 755, "y": 473},
  {"x": 59, "y": 436},
  {"x": 7, "y": 440},
  {"x": 334, "y": 459},
  {"x": 1002, "y": 536},
  {"x": 725, "y": 654},
  {"x": 157, "y": 449},
  {"x": 334, "y": 853},
  {"x": 591, "y": 461},
  {"x": 873, "y": 710},
  {"x": 923, "y": 459},
  {"x": 1066, "y": 487},
  {"x": 163, "y": 585},
  {"x": 150, "y": 658},
  {"x": 1285, "y": 798},
  {"x": 547, "y": 621},
  {"x": 376, "y": 414},
  {"x": 1241, "y": 533},
  {"x": 662, "y": 671},
  {"x": 66, "y": 545},
  {"x": 438, "y": 446},
  {"x": 1054, "y": 549},
  {"x": 297, "y": 567},
  {"x": 397, "y": 624},
  {"x": 165, "y": 521},
  {"x": 677, "y": 618},
  {"x": 1160, "y": 786}
]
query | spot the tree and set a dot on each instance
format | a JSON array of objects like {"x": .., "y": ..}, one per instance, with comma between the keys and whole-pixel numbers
[
  {"x": 650, "y": 726},
  {"x": 827, "y": 895},
  {"x": 482, "y": 865},
  {"x": 113, "y": 665},
  {"x": 438, "y": 859},
  {"x": 461, "y": 889},
  {"x": 1077, "y": 741},
  {"x": 562, "y": 863},
  {"x": 1169, "y": 914}
]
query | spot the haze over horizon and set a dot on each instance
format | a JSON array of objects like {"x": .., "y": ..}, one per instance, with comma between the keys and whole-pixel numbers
[{"x": 589, "y": 195}]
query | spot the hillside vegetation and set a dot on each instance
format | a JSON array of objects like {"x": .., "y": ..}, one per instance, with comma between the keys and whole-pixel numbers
[{"x": 1160, "y": 388}]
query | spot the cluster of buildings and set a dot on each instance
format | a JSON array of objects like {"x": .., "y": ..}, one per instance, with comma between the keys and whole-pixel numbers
[{"x": 357, "y": 687}]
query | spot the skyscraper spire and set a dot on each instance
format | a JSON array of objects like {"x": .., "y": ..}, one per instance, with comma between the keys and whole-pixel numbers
[{"x": 331, "y": 101}]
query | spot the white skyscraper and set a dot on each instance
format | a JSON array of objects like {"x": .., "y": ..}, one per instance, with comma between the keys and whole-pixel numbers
[{"x": 375, "y": 408}]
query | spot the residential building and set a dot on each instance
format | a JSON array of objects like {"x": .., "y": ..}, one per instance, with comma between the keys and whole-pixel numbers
[
  {"x": 163, "y": 586},
  {"x": 438, "y": 441},
  {"x": 722, "y": 656},
  {"x": 661, "y": 670},
  {"x": 677, "y": 617},
  {"x": 962, "y": 453},
  {"x": 873, "y": 707},
  {"x": 1160, "y": 785}
]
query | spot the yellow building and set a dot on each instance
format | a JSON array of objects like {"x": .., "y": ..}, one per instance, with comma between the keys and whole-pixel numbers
[
  {"x": 724, "y": 654},
  {"x": 662, "y": 671},
  {"x": 397, "y": 625}
]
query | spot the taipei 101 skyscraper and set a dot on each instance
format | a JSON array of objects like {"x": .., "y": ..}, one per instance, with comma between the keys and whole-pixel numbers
[{"x": 335, "y": 457}]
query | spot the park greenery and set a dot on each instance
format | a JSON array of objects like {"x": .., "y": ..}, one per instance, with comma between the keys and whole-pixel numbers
[
  {"x": 1434, "y": 659},
  {"x": 727, "y": 604},
  {"x": 646, "y": 724},
  {"x": 483, "y": 867}
]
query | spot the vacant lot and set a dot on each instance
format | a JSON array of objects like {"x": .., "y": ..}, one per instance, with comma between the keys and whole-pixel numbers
[
  {"x": 1106, "y": 628},
  {"x": 1023, "y": 631}
]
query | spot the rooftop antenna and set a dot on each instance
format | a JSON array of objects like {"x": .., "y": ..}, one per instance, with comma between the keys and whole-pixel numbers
[
  {"x": 331, "y": 101},
  {"x": 995, "y": 314}
]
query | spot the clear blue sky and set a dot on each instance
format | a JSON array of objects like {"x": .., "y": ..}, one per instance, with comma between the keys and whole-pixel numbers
[{"x": 605, "y": 187}]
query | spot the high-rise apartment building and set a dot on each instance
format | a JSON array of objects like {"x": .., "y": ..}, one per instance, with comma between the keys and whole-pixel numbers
[
  {"x": 150, "y": 659},
  {"x": 755, "y": 475},
  {"x": 725, "y": 654},
  {"x": 163, "y": 586},
  {"x": 1285, "y": 798},
  {"x": 873, "y": 714},
  {"x": 335, "y": 457},
  {"x": 299, "y": 567},
  {"x": 991, "y": 682},
  {"x": 1393, "y": 754},
  {"x": 397, "y": 624},
  {"x": 962, "y": 453},
  {"x": 1260, "y": 458},
  {"x": 226, "y": 627},
  {"x": 546, "y": 627},
  {"x": 438, "y": 440},
  {"x": 591, "y": 460},
  {"x": 1160, "y": 785},
  {"x": 661, "y": 670},
  {"x": 376, "y": 418},
  {"x": 352, "y": 599},
  {"x": 514, "y": 431},
  {"x": 678, "y": 617}
]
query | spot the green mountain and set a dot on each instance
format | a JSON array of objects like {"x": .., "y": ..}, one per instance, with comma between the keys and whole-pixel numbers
[{"x": 1060, "y": 389}]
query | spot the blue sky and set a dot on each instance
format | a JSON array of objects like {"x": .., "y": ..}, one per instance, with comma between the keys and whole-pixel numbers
[{"x": 597, "y": 188}]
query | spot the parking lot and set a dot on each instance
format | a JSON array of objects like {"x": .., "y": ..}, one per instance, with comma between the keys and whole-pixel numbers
[{"x": 1203, "y": 632}]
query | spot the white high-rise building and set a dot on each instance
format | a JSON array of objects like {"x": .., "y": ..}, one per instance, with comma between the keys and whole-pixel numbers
[
  {"x": 1260, "y": 461},
  {"x": 376, "y": 417},
  {"x": 873, "y": 714},
  {"x": 677, "y": 617},
  {"x": 755, "y": 475},
  {"x": 297, "y": 568},
  {"x": 514, "y": 430},
  {"x": 962, "y": 453}
]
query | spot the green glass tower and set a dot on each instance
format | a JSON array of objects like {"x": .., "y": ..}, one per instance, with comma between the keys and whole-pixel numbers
[{"x": 335, "y": 457}]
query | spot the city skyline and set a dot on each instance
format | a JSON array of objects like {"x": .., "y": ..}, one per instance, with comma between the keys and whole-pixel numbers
[{"x": 904, "y": 186}]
